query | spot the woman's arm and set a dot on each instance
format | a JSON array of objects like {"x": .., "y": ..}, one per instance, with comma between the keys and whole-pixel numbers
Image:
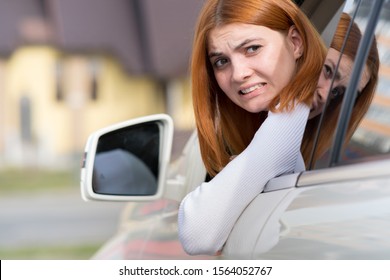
[{"x": 208, "y": 214}]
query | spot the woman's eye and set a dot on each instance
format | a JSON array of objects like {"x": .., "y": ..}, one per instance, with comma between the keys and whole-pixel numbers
[
  {"x": 338, "y": 91},
  {"x": 220, "y": 62},
  {"x": 328, "y": 72},
  {"x": 252, "y": 49}
]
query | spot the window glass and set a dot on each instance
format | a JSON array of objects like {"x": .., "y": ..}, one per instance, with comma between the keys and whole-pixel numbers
[
  {"x": 329, "y": 94},
  {"x": 335, "y": 80},
  {"x": 372, "y": 136}
]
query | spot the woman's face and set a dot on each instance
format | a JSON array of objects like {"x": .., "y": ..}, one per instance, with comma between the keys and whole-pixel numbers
[
  {"x": 340, "y": 82},
  {"x": 253, "y": 63}
]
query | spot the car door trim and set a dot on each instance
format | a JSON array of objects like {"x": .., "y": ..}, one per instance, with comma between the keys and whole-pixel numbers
[
  {"x": 356, "y": 171},
  {"x": 282, "y": 182}
]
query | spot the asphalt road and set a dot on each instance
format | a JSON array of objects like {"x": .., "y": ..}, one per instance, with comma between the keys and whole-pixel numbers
[{"x": 56, "y": 219}]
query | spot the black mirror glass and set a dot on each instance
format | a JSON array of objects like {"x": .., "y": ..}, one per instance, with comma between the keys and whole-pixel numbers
[{"x": 127, "y": 161}]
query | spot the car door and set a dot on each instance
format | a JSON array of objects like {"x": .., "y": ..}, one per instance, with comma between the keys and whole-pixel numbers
[{"x": 340, "y": 207}]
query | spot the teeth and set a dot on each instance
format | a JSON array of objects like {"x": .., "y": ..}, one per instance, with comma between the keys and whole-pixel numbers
[{"x": 248, "y": 90}]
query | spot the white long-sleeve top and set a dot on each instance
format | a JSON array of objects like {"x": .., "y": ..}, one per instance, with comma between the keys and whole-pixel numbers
[{"x": 208, "y": 214}]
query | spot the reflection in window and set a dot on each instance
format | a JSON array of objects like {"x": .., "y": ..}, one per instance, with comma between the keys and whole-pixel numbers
[
  {"x": 371, "y": 143},
  {"x": 342, "y": 53},
  {"x": 369, "y": 125},
  {"x": 372, "y": 137},
  {"x": 385, "y": 57},
  {"x": 379, "y": 114},
  {"x": 383, "y": 86}
]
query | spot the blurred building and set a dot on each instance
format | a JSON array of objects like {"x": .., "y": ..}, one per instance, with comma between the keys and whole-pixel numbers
[{"x": 69, "y": 67}]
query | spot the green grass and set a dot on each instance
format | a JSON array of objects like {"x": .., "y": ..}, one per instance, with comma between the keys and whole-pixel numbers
[
  {"x": 34, "y": 180},
  {"x": 29, "y": 181},
  {"x": 81, "y": 252}
]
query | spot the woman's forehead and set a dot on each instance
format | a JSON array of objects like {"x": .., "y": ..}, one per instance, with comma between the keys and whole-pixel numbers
[{"x": 234, "y": 34}]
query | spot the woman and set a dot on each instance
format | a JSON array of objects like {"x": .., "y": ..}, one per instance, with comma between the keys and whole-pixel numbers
[
  {"x": 366, "y": 88},
  {"x": 254, "y": 71},
  {"x": 218, "y": 119}
]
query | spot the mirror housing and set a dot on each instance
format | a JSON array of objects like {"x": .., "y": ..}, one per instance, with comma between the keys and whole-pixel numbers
[{"x": 127, "y": 161}]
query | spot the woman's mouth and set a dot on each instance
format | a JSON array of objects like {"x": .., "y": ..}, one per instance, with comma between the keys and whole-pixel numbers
[{"x": 251, "y": 89}]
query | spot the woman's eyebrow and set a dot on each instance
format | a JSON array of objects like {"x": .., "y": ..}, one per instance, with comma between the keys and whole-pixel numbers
[
  {"x": 236, "y": 48},
  {"x": 247, "y": 41},
  {"x": 214, "y": 54},
  {"x": 337, "y": 74}
]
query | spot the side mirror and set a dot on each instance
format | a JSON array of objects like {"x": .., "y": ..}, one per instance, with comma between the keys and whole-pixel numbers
[{"x": 128, "y": 161}]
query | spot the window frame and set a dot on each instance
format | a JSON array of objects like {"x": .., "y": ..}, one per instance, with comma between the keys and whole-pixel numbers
[{"x": 336, "y": 149}]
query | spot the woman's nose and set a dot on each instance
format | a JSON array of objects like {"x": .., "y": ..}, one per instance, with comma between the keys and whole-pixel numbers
[
  {"x": 241, "y": 71},
  {"x": 322, "y": 95},
  {"x": 323, "y": 88}
]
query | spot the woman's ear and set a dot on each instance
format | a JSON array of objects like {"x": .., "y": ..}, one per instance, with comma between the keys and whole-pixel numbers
[{"x": 296, "y": 42}]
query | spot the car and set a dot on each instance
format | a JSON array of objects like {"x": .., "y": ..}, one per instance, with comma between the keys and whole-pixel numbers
[{"x": 337, "y": 209}]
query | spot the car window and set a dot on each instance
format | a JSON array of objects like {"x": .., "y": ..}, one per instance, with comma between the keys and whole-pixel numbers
[
  {"x": 372, "y": 137},
  {"x": 339, "y": 141}
]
